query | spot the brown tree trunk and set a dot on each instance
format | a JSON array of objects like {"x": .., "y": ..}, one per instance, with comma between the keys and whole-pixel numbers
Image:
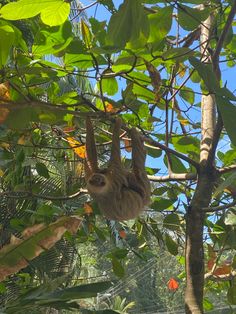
[{"x": 194, "y": 253}]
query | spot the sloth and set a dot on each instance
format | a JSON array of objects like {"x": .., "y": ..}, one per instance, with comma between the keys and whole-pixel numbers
[{"x": 120, "y": 194}]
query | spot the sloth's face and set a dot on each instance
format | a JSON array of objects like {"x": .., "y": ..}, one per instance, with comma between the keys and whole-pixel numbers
[
  {"x": 98, "y": 183},
  {"x": 97, "y": 180}
]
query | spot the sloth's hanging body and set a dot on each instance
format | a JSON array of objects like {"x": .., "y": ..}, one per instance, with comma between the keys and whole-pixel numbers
[{"x": 120, "y": 194}]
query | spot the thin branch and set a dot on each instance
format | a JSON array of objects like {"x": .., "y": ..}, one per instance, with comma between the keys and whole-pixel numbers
[
  {"x": 218, "y": 208},
  {"x": 227, "y": 169},
  {"x": 173, "y": 177},
  {"x": 26, "y": 194},
  {"x": 210, "y": 276}
]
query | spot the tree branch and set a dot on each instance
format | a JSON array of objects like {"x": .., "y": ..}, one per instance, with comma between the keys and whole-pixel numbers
[
  {"x": 27, "y": 194},
  {"x": 227, "y": 169},
  {"x": 173, "y": 177},
  {"x": 218, "y": 208},
  {"x": 210, "y": 276}
]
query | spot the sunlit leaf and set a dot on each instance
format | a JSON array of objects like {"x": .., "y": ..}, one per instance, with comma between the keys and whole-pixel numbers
[
  {"x": 86, "y": 33},
  {"x": 53, "y": 12},
  {"x": 7, "y": 36},
  {"x": 78, "y": 148}
]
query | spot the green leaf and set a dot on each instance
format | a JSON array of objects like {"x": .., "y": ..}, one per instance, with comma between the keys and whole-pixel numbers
[
  {"x": 161, "y": 203},
  {"x": 177, "y": 165},
  {"x": 83, "y": 61},
  {"x": 42, "y": 170},
  {"x": 231, "y": 294},
  {"x": 186, "y": 144},
  {"x": 53, "y": 12},
  {"x": 227, "y": 182},
  {"x": 171, "y": 222},
  {"x": 118, "y": 268},
  {"x": 128, "y": 24},
  {"x": 143, "y": 93},
  {"x": 179, "y": 54},
  {"x": 56, "y": 14},
  {"x": 20, "y": 156},
  {"x": 207, "y": 305},
  {"x": 86, "y": 34},
  {"x": 172, "y": 246},
  {"x": 109, "y": 86},
  {"x": 53, "y": 40},
  {"x": 124, "y": 63},
  {"x": 153, "y": 152},
  {"x": 187, "y": 94},
  {"x": 79, "y": 292},
  {"x": 206, "y": 73},
  {"x": 190, "y": 18},
  {"x": 7, "y": 37},
  {"x": 228, "y": 112},
  {"x": 118, "y": 253},
  {"x": 160, "y": 24}
]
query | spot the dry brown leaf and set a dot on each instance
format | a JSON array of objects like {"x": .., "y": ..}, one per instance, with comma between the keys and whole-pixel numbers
[
  {"x": 88, "y": 209},
  {"x": 4, "y": 91},
  {"x": 13, "y": 257}
]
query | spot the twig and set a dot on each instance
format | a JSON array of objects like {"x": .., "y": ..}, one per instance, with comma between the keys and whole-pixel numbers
[
  {"x": 173, "y": 177},
  {"x": 218, "y": 208}
]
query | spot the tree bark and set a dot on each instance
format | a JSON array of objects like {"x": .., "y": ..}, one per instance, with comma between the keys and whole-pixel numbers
[{"x": 194, "y": 251}]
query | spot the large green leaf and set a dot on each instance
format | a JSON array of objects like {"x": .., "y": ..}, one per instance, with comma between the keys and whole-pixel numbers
[
  {"x": 186, "y": 144},
  {"x": 206, "y": 73},
  {"x": 189, "y": 18},
  {"x": 228, "y": 112},
  {"x": 53, "y": 12},
  {"x": 42, "y": 170},
  {"x": 128, "y": 24},
  {"x": 172, "y": 246},
  {"x": 172, "y": 221},
  {"x": 160, "y": 24},
  {"x": 179, "y": 54},
  {"x": 227, "y": 182},
  {"x": 53, "y": 40},
  {"x": 161, "y": 203},
  {"x": 79, "y": 292},
  {"x": 7, "y": 37},
  {"x": 109, "y": 86}
]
